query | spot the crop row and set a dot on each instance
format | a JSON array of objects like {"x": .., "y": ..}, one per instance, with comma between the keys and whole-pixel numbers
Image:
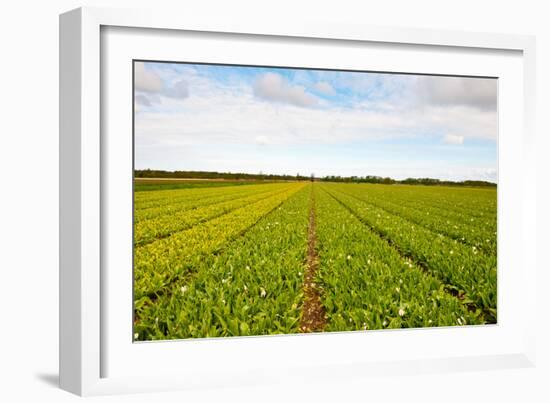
[
  {"x": 149, "y": 230},
  {"x": 471, "y": 275},
  {"x": 367, "y": 284},
  {"x": 178, "y": 204},
  {"x": 145, "y": 200},
  {"x": 475, "y": 232},
  {"x": 480, "y": 209},
  {"x": 157, "y": 264},
  {"x": 253, "y": 287},
  {"x": 148, "y": 185},
  {"x": 232, "y": 263},
  {"x": 472, "y": 202}
]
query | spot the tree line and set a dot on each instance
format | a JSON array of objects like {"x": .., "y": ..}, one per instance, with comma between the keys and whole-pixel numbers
[
  {"x": 408, "y": 181},
  {"x": 151, "y": 173}
]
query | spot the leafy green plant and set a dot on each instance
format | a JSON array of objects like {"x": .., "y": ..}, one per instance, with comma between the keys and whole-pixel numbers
[{"x": 231, "y": 260}]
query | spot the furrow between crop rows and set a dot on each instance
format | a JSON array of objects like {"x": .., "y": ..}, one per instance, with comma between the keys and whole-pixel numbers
[
  {"x": 477, "y": 235},
  {"x": 470, "y": 202},
  {"x": 253, "y": 287},
  {"x": 157, "y": 264},
  {"x": 182, "y": 195},
  {"x": 169, "y": 224},
  {"x": 366, "y": 284},
  {"x": 466, "y": 273},
  {"x": 180, "y": 205}
]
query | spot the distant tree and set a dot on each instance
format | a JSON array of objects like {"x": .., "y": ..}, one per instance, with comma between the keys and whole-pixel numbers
[{"x": 150, "y": 173}]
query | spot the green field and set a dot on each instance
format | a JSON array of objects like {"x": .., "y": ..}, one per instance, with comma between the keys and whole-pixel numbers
[
  {"x": 276, "y": 258},
  {"x": 147, "y": 184}
]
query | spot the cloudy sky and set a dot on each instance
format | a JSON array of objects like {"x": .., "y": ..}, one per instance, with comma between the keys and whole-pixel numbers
[{"x": 289, "y": 121}]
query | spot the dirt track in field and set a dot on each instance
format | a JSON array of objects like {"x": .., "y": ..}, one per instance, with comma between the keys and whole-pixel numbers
[{"x": 313, "y": 313}]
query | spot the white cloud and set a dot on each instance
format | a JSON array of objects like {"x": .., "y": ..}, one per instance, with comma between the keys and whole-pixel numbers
[
  {"x": 412, "y": 91},
  {"x": 147, "y": 99},
  {"x": 150, "y": 87},
  {"x": 324, "y": 88},
  {"x": 142, "y": 100},
  {"x": 218, "y": 116},
  {"x": 146, "y": 80},
  {"x": 477, "y": 93},
  {"x": 453, "y": 139},
  {"x": 179, "y": 90},
  {"x": 273, "y": 87},
  {"x": 490, "y": 174},
  {"x": 221, "y": 124}
]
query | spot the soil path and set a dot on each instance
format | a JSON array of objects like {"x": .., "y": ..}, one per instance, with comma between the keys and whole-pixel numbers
[{"x": 313, "y": 313}]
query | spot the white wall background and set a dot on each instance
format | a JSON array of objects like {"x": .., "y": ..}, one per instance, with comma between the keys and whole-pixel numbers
[{"x": 29, "y": 201}]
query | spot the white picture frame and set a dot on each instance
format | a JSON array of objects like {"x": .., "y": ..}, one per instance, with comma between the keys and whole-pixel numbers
[{"x": 84, "y": 181}]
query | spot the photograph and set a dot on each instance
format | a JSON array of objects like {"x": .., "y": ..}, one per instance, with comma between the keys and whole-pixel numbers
[{"x": 276, "y": 200}]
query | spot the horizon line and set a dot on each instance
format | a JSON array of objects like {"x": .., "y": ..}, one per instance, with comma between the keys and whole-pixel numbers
[{"x": 316, "y": 177}]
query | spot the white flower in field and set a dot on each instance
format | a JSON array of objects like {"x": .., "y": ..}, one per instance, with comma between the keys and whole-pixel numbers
[
  {"x": 459, "y": 321},
  {"x": 401, "y": 312},
  {"x": 400, "y": 281},
  {"x": 247, "y": 267},
  {"x": 349, "y": 257},
  {"x": 368, "y": 261},
  {"x": 263, "y": 293},
  {"x": 245, "y": 287},
  {"x": 136, "y": 336},
  {"x": 299, "y": 273},
  {"x": 397, "y": 289},
  {"x": 451, "y": 252},
  {"x": 184, "y": 289},
  {"x": 384, "y": 323}
]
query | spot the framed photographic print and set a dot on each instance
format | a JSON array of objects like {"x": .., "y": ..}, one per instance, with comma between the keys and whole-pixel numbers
[
  {"x": 230, "y": 239},
  {"x": 237, "y": 200}
]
